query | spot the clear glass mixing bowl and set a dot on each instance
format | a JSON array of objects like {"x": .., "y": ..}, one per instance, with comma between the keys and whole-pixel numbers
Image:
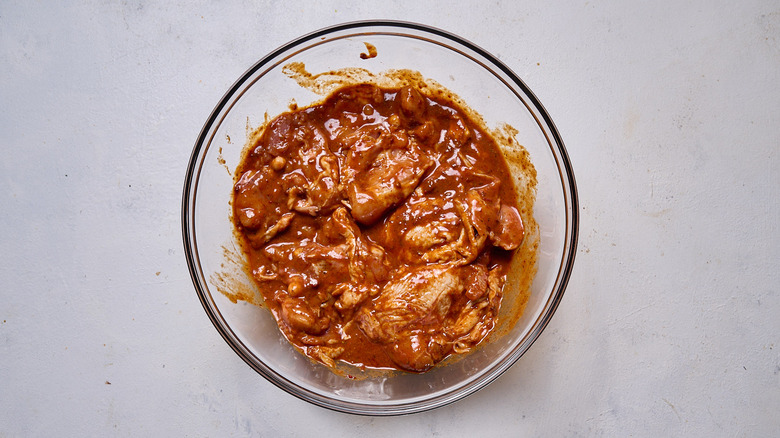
[{"x": 489, "y": 88}]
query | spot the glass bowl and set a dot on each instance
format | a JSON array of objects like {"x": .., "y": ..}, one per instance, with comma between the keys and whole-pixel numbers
[{"x": 215, "y": 259}]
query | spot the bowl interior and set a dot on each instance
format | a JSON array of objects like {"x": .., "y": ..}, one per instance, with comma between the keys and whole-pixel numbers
[{"x": 265, "y": 90}]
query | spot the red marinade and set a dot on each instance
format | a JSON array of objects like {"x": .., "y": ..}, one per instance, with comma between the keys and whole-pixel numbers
[{"x": 379, "y": 225}]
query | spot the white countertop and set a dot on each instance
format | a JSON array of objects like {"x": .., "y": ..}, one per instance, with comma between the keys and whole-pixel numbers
[{"x": 671, "y": 322}]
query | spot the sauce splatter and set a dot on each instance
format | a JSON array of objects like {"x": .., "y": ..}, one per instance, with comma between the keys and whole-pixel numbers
[{"x": 371, "y": 49}]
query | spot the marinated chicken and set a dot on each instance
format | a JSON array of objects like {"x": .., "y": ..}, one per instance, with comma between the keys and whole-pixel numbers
[{"x": 379, "y": 225}]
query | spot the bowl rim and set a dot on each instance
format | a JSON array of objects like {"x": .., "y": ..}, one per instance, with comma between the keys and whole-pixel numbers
[{"x": 381, "y": 409}]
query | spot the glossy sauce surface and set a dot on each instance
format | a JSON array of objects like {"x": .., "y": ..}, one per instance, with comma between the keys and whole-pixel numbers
[{"x": 379, "y": 226}]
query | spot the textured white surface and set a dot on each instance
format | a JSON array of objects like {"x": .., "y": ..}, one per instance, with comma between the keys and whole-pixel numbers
[{"x": 671, "y": 322}]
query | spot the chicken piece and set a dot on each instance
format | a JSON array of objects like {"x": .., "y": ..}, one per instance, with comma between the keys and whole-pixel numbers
[
  {"x": 466, "y": 321},
  {"x": 279, "y": 134},
  {"x": 255, "y": 204},
  {"x": 298, "y": 315},
  {"x": 478, "y": 317},
  {"x": 259, "y": 238},
  {"x": 489, "y": 216},
  {"x": 472, "y": 213},
  {"x": 471, "y": 237},
  {"x": 338, "y": 258},
  {"x": 423, "y": 132},
  {"x": 411, "y": 316},
  {"x": 477, "y": 333},
  {"x": 325, "y": 264},
  {"x": 458, "y": 133},
  {"x": 393, "y": 177},
  {"x": 258, "y": 215},
  {"x": 299, "y": 200},
  {"x": 509, "y": 232},
  {"x": 326, "y": 355},
  {"x": 419, "y": 297},
  {"x": 423, "y": 224},
  {"x": 363, "y": 147},
  {"x": 418, "y": 352},
  {"x": 458, "y": 252},
  {"x": 436, "y": 229},
  {"x": 350, "y": 295},
  {"x": 427, "y": 236},
  {"x": 459, "y": 223},
  {"x": 483, "y": 200},
  {"x": 496, "y": 282},
  {"x": 476, "y": 279},
  {"x": 366, "y": 259},
  {"x": 362, "y": 94},
  {"x": 478, "y": 211},
  {"x": 413, "y": 103},
  {"x": 313, "y": 177},
  {"x": 325, "y": 190},
  {"x": 305, "y": 265}
]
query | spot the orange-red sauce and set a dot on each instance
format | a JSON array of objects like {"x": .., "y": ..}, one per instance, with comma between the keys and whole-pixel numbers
[{"x": 379, "y": 225}]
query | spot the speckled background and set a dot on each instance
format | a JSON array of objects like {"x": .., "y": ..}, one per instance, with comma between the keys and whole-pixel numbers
[{"x": 671, "y": 322}]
